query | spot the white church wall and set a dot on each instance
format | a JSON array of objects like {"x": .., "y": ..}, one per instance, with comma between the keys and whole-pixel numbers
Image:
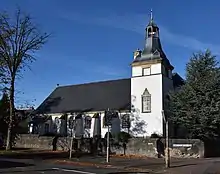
[
  {"x": 86, "y": 131},
  {"x": 153, "y": 83},
  {"x": 155, "y": 69},
  {"x": 137, "y": 71}
]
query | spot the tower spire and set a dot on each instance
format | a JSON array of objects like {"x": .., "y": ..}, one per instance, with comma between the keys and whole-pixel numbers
[{"x": 151, "y": 15}]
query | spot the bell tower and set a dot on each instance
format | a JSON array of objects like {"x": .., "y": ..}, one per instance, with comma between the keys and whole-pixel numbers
[{"x": 151, "y": 80}]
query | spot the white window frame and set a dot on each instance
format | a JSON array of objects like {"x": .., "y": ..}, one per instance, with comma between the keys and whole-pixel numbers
[{"x": 146, "y": 68}]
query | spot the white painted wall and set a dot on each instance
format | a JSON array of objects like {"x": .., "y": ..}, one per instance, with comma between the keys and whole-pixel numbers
[
  {"x": 154, "y": 84},
  {"x": 136, "y": 71},
  {"x": 116, "y": 128}
]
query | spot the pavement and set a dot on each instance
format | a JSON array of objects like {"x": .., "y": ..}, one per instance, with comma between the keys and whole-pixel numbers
[{"x": 53, "y": 163}]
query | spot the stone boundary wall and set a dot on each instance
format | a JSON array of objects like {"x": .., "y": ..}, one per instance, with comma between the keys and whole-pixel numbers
[{"x": 180, "y": 148}]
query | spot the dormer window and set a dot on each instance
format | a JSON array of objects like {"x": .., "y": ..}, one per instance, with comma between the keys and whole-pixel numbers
[{"x": 156, "y": 53}]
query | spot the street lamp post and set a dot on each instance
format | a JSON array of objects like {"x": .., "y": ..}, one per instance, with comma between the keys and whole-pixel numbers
[
  {"x": 107, "y": 154},
  {"x": 71, "y": 147},
  {"x": 167, "y": 154},
  {"x": 107, "y": 148},
  {"x": 72, "y": 126}
]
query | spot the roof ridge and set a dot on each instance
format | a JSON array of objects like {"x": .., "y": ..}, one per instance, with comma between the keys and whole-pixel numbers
[{"x": 88, "y": 83}]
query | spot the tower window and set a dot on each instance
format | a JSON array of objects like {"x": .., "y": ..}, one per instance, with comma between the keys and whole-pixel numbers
[
  {"x": 146, "y": 71},
  {"x": 149, "y": 31},
  {"x": 146, "y": 101}
]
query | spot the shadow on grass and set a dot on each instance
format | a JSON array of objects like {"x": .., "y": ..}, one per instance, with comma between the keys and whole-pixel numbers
[{"x": 11, "y": 164}]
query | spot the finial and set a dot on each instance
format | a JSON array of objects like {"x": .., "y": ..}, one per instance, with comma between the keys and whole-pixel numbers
[{"x": 151, "y": 14}]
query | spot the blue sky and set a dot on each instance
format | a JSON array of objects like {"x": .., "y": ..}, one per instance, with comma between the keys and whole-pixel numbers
[{"x": 94, "y": 40}]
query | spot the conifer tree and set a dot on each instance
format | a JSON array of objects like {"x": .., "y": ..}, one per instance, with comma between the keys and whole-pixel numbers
[{"x": 196, "y": 105}]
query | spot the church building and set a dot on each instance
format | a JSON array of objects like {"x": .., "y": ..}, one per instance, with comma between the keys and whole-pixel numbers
[{"x": 136, "y": 102}]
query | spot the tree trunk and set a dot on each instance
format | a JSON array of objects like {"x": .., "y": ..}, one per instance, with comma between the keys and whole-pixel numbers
[{"x": 11, "y": 115}]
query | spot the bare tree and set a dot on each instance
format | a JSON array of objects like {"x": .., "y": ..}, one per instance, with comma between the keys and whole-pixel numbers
[{"x": 19, "y": 40}]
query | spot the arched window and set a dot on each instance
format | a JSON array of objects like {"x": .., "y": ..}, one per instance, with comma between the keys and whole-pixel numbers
[
  {"x": 71, "y": 122},
  {"x": 146, "y": 101},
  {"x": 88, "y": 122},
  {"x": 149, "y": 31}
]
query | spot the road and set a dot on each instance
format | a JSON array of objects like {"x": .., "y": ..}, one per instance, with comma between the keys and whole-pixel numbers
[
  {"x": 38, "y": 166},
  {"x": 27, "y": 166}
]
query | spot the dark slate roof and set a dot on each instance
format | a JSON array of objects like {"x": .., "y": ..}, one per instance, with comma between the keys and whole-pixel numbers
[
  {"x": 97, "y": 96},
  {"x": 153, "y": 48},
  {"x": 177, "y": 80}
]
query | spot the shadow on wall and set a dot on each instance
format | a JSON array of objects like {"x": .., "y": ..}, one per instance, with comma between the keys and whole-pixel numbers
[{"x": 138, "y": 125}]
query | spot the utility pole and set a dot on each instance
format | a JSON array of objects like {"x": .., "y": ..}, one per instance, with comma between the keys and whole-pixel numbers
[
  {"x": 167, "y": 153},
  {"x": 107, "y": 154},
  {"x": 107, "y": 149},
  {"x": 72, "y": 122},
  {"x": 71, "y": 146}
]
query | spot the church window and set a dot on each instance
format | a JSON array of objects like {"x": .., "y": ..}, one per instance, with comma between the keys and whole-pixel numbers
[
  {"x": 88, "y": 122},
  {"x": 146, "y": 71},
  {"x": 71, "y": 122},
  {"x": 107, "y": 119},
  {"x": 146, "y": 101}
]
